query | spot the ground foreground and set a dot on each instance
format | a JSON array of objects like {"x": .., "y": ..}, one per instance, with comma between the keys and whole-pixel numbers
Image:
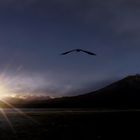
[{"x": 68, "y": 125}]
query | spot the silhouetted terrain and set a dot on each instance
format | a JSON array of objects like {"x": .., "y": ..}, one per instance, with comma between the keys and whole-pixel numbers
[
  {"x": 72, "y": 126},
  {"x": 119, "y": 95},
  {"x": 84, "y": 124}
]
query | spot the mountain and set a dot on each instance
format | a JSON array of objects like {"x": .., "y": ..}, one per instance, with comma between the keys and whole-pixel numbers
[
  {"x": 121, "y": 94},
  {"x": 21, "y": 101}
]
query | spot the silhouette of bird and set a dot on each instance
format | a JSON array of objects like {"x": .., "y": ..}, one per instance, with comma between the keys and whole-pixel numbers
[{"x": 78, "y": 50}]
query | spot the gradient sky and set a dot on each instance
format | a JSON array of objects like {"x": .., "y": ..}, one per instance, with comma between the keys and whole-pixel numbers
[{"x": 33, "y": 33}]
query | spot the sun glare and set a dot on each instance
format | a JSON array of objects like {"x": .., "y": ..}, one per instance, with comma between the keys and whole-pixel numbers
[
  {"x": 4, "y": 91},
  {"x": 7, "y": 91}
]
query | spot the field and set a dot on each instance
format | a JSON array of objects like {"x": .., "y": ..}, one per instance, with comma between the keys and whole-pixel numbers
[{"x": 70, "y": 125}]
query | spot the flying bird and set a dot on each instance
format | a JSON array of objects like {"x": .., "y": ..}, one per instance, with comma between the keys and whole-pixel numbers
[{"x": 78, "y": 50}]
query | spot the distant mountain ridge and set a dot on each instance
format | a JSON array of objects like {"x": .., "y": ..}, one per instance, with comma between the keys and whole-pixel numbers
[
  {"x": 124, "y": 93},
  {"x": 121, "y": 94}
]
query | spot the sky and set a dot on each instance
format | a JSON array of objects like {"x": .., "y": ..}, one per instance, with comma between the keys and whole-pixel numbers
[{"x": 33, "y": 34}]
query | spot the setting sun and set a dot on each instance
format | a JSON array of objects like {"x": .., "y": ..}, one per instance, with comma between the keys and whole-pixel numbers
[{"x": 4, "y": 91}]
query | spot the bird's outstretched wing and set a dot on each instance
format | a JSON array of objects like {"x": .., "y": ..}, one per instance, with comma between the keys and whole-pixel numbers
[
  {"x": 91, "y": 53},
  {"x": 67, "y": 52}
]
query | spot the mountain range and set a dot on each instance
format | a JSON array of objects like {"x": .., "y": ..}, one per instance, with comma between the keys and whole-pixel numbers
[{"x": 122, "y": 94}]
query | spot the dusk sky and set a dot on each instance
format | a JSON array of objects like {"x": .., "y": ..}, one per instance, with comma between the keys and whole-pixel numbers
[{"x": 33, "y": 34}]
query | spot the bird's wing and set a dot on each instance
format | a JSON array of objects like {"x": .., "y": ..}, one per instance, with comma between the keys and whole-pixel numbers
[
  {"x": 91, "y": 53},
  {"x": 67, "y": 52}
]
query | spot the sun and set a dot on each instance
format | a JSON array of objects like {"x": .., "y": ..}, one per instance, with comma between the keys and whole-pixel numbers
[{"x": 4, "y": 91}]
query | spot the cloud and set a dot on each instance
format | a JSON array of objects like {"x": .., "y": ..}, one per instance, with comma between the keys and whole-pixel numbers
[{"x": 121, "y": 14}]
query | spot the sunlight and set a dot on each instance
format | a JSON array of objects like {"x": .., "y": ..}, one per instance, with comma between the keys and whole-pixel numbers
[
  {"x": 7, "y": 120},
  {"x": 4, "y": 91},
  {"x": 8, "y": 92},
  {"x": 3, "y": 113},
  {"x": 21, "y": 112}
]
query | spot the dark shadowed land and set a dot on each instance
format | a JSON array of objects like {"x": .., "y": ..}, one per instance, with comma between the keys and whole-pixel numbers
[{"x": 70, "y": 125}]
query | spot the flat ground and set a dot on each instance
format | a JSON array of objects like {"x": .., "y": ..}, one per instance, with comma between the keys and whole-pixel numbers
[{"x": 70, "y": 125}]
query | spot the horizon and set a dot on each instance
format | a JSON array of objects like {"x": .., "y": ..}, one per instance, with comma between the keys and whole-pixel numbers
[{"x": 35, "y": 97}]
